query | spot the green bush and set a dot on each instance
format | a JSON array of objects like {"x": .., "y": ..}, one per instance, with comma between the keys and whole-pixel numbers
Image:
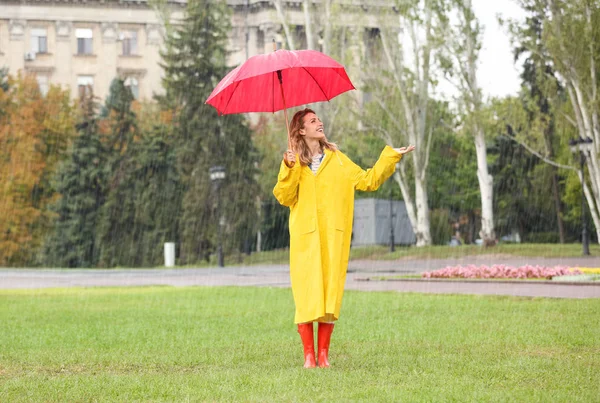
[
  {"x": 542, "y": 237},
  {"x": 441, "y": 229}
]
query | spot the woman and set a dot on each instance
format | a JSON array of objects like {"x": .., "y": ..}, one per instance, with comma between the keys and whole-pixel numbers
[{"x": 317, "y": 182}]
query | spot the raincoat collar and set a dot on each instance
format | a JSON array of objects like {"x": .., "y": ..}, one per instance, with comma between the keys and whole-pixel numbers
[{"x": 327, "y": 157}]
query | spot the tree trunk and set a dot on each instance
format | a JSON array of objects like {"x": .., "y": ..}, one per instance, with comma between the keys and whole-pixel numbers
[
  {"x": 258, "y": 241},
  {"x": 555, "y": 187},
  {"x": 486, "y": 189},
  {"x": 423, "y": 233},
  {"x": 259, "y": 214},
  {"x": 310, "y": 43},
  {"x": 592, "y": 196},
  {"x": 472, "y": 226},
  {"x": 557, "y": 204},
  {"x": 472, "y": 95},
  {"x": 327, "y": 29},
  {"x": 590, "y": 201}
]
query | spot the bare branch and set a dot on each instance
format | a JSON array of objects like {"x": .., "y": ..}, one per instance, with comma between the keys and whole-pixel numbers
[
  {"x": 569, "y": 119},
  {"x": 403, "y": 93},
  {"x": 417, "y": 56},
  {"x": 282, "y": 20},
  {"x": 310, "y": 43},
  {"x": 424, "y": 82},
  {"x": 384, "y": 134},
  {"x": 540, "y": 156},
  {"x": 428, "y": 149}
]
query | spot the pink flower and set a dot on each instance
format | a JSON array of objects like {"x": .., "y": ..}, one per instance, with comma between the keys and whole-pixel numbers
[{"x": 499, "y": 271}]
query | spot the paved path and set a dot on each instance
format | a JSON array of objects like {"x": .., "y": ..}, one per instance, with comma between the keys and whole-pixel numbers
[{"x": 277, "y": 276}]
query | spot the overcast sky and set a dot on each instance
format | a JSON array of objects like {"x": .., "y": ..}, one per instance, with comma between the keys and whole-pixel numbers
[{"x": 498, "y": 75}]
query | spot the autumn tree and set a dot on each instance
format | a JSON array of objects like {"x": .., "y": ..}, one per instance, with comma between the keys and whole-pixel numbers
[{"x": 35, "y": 132}]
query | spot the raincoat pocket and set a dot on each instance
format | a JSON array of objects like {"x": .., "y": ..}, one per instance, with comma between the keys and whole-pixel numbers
[{"x": 305, "y": 226}]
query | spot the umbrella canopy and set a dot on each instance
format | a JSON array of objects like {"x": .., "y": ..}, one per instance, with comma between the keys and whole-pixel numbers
[{"x": 279, "y": 80}]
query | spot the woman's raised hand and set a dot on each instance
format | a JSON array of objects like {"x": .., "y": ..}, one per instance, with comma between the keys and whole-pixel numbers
[
  {"x": 290, "y": 158},
  {"x": 404, "y": 150}
]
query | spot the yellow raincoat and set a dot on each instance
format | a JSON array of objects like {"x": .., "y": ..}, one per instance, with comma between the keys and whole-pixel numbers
[{"x": 321, "y": 215}]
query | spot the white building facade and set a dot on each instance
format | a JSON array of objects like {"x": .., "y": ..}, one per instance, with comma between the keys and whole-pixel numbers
[{"x": 77, "y": 44}]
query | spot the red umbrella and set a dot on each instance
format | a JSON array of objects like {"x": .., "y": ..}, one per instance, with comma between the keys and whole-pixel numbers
[{"x": 280, "y": 80}]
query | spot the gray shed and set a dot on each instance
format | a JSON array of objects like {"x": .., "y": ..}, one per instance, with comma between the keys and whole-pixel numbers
[{"x": 372, "y": 223}]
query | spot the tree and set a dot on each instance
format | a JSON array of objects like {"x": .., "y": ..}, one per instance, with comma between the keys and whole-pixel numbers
[
  {"x": 116, "y": 222},
  {"x": 82, "y": 184},
  {"x": 463, "y": 52},
  {"x": 542, "y": 95},
  {"x": 20, "y": 167},
  {"x": 400, "y": 86},
  {"x": 34, "y": 134},
  {"x": 528, "y": 211},
  {"x": 194, "y": 62},
  {"x": 453, "y": 185},
  {"x": 138, "y": 216},
  {"x": 570, "y": 32}
]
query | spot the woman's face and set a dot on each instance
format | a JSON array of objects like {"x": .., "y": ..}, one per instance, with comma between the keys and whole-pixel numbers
[{"x": 313, "y": 127}]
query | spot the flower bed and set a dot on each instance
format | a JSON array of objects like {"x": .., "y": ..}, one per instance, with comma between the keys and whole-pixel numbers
[{"x": 500, "y": 271}]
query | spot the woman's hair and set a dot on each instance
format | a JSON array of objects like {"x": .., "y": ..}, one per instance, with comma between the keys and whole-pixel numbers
[{"x": 297, "y": 140}]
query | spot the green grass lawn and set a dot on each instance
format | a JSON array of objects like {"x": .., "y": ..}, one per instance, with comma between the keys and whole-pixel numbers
[
  {"x": 431, "y": 252},
  {"x": 445, "y": 252},
  {"x": 239, "y": 344}
]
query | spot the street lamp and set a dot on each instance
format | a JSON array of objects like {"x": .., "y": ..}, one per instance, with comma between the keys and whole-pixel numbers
[
  {"x": 584, "y": 146},
  {"x": 217, "y": 175}
]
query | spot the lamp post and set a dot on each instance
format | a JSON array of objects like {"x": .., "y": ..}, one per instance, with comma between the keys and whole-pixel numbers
[
  {"x": 584, "y": 147},
  {"x": 217, "y": 175}
]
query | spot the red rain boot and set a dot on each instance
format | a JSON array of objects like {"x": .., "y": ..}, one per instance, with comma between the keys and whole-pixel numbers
[
  {"x": 325, "y": 330},
  {"x": 308, "y": 341}
]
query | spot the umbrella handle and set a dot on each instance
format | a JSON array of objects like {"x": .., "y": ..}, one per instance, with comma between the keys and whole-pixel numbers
[{"x": 287, "y": 123}]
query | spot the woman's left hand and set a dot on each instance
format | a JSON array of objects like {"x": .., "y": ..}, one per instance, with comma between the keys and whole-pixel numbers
[{"x": 404, "y": 150}]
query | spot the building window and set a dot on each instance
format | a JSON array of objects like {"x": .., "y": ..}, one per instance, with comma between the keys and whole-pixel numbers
[
  {"x": 300, "y": 37},
  {"x": 85, "y": 85},
  {"x": 134, "y": 86},
  {"x": 42, "y": 81},
  {"x": 129, "y": 40},
  {"x": 39, "y": 40},
  {"x": 260, "y": 41},
  {"x": 84, "y": 41},
  {"x": 373, "y": 43}
]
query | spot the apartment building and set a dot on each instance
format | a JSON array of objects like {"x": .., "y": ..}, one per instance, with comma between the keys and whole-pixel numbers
[{"x": 77, "y": 44}]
